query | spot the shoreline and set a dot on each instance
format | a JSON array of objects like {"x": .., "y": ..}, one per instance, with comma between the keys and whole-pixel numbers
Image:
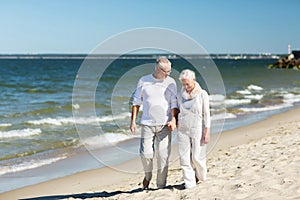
[{"x": 94, "y": 183}]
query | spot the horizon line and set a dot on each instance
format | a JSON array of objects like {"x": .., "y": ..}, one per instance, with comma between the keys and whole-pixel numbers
[{"x": 86, "y": 54}]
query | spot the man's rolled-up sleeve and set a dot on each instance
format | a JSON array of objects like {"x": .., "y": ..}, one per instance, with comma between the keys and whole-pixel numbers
[{"x": 137, "y": 95}]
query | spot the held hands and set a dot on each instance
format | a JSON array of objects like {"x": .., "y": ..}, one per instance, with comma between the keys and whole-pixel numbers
[{"x": 172, "y": 124}]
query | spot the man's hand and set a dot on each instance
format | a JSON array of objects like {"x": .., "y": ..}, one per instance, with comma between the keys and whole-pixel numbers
[
  {"x": 134, "y": 113},
  {"x": 133, "y": 127}
]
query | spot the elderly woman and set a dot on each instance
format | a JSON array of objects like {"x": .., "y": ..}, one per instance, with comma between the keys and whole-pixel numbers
[{"x": 193, "y": 129}]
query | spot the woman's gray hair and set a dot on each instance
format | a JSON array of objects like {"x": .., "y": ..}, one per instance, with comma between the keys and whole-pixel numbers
[{"x": 187, "y": 74}]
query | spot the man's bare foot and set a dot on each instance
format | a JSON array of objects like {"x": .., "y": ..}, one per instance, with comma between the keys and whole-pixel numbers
[
  {"x": 197, "y": 180},
  {"x": 145, "y": 184}
]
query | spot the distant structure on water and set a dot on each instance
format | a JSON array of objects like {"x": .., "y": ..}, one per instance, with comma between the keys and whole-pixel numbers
[{"x": 290, "y": 61}]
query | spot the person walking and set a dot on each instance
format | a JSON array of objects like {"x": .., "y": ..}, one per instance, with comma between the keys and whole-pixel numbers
[
  {"x": 157, "y": 93},
  {"x": 193, "y": 128}
]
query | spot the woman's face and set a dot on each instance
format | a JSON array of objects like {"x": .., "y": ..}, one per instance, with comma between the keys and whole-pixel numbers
[{"x": 188, "y": 84}]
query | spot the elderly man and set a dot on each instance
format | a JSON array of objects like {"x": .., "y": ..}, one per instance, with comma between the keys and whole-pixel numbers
[{"x": 157, "y": 93}]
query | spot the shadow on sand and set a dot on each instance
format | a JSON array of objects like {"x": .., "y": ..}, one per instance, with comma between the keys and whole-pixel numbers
[{"x": 101, "y": 194}]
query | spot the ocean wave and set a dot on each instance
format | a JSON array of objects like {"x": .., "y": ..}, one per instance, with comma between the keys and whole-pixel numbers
[
  {"x": 116, "y": 116},
  {"x": 49, "y": 110},
  {"x": 75, "y": 106},
  {"x": 28, "y": 165},
  {"x": 254, "y": 87},
  {"x": 244, "y": 92},
  {"x": 250, "y": 89},
  {"x": 5, "y": 125},
  {"x": 255, "y": 97},
  {"x": 223, "y": 116},
  {"x": 237, "y": 101},
  {"x": 105, "y": 140},
  {"x": 52, "y": 121},
  {"x": 216, "y": 99},
  {"x": 20, "y": 133},
  {"x": 78, "y": 120},
  {"x": 39, "y": 90},
  {"x": 291, "y": 98},
  {"x": 267, "y": 108}
]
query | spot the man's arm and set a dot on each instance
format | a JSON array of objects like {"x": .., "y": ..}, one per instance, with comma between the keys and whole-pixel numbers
[{"x": 134, "y": 113}]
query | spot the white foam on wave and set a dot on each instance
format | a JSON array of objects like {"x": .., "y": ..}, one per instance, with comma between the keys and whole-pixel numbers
[
  {"x": 117, "y": 116},
  {"x": 291, "y": 98},
  {"x": 20, "y": 133},
  {"x": 79, "y": 120},
  {"x": 255, "y": 97},
  {"x": 223, "y": 116},
  {"x": 268, "y": 108},
  {"x": 244, "y": 92},
  {"x": 52, "y": 121},
  {"x": 5, "y": 125},
  {"x": 107, "y": 139},
  {"x": 254, "y": 87},
  {"x": 75, "y": 106},
  {"x": 216, "y": 99},
  {"x": 237, "y": 101},
  {"x": 28, "y": 165}
]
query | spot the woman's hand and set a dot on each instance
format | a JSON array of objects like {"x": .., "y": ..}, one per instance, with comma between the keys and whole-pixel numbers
[{"x": 206, "y": 136}]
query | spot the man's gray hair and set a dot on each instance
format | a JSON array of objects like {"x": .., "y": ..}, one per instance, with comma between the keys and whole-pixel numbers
[{"x": 163, "y": 62}]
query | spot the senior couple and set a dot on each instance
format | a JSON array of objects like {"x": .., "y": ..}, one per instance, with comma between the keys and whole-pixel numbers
[{"x": 157, "y": 93}]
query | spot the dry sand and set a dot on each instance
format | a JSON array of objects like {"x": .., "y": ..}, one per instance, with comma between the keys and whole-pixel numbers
[{"x": 259, "y": 161}]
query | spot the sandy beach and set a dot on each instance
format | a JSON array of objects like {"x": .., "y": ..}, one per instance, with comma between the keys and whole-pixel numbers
[{"x": 258, "y": 161}]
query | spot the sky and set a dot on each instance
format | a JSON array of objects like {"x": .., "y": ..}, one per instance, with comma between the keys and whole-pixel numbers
[{"x": 78, "y": 26}]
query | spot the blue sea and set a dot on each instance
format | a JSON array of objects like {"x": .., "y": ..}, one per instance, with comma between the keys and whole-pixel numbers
[{"x": 40, "y": 138}]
